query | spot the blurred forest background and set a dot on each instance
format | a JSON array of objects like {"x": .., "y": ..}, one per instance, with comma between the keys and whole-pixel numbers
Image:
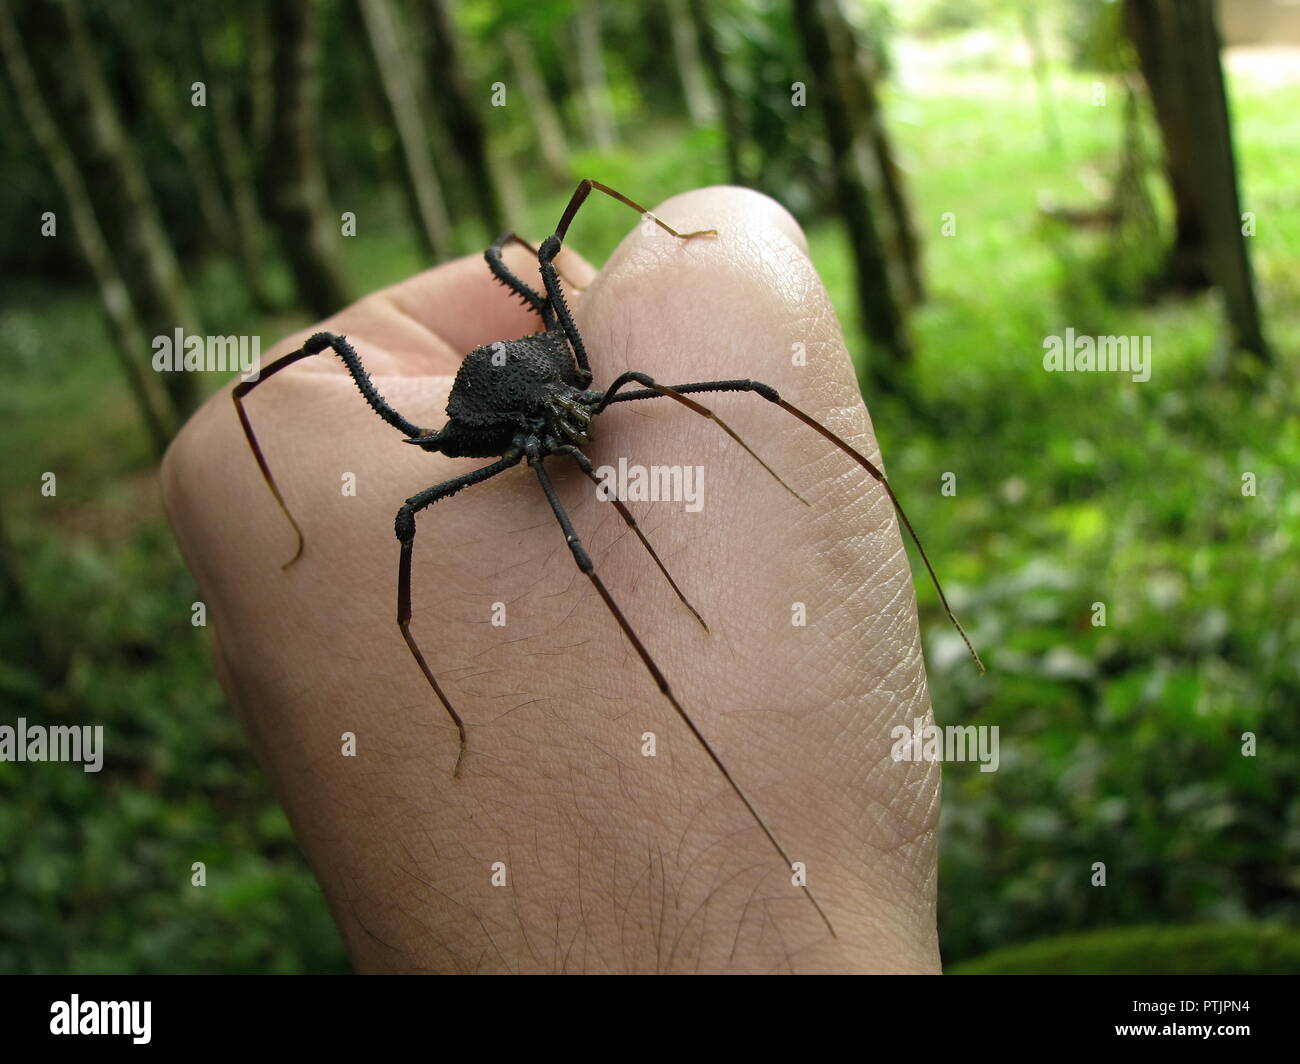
[{"x": 973, "y": 175}]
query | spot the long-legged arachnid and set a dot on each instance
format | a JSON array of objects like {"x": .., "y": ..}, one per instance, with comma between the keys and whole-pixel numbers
[{"x": 531, "y": 399}]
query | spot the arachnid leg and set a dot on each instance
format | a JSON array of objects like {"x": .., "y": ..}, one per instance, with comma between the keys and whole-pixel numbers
[
  {"x": 551, "y": 247},
  {"x": 584, "y": 463},
  {"x": 511, "y": 280},
  {"x": 515, "y": 238},
  {"x": 583, "y": 190},
  {"x": 678, "y": 391},
  {"x": 405, "y": 528},
  {"x": 699, "y": 408},
  {"x": 584, "y": 562},
  {"x": 314, "y": 346},
  {"x": 555, "y": 293}
]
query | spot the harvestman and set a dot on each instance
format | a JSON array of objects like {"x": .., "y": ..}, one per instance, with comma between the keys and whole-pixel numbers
[{"x": 529, "y": 399}]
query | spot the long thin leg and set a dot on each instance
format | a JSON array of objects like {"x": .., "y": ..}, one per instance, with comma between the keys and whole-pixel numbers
[
  {"x": 584, "y": 561},
  {"x": 772, "y": 396},
  {"x": 551, "y": 247},
  {"x": 314, "y": 346},
  {"x": 699, "y": 408},
  {"x": 511, "y": 280},
  {"x": 405, "y": 528},
  {"x": 583, "y": 190},
  {"x": 515, "y": 238},
  {"x": 584, "y": 463}
]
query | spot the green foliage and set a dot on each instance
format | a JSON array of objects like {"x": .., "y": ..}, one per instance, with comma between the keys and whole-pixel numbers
[
  {"x": 784, "y": 156},
  {"x": 1234, "y": 949},
  {"x": 1121, "y": 744},
  {"x": 96, "y": 875},
  {"x": 1095, "y": 36},
  {"x": 784, "y": 152},
  {"x": 940, "y": 17}
]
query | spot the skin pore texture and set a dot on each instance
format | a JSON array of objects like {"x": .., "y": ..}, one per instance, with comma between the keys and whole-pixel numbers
[{"x": 561, "y": 847}]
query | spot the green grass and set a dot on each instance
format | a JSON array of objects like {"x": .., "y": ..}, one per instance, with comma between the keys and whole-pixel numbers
[
  {"x": 1239, "y": 949},
  {"x": 1120, "y": 744}
]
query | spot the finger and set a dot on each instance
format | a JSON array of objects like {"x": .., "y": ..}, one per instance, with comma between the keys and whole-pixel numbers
[
  {"x": 467, "y": 307},
  {"x": 748, "y": 304},
  {"x": 745, "y": 304},
  {"x": 426, "y": 324}
]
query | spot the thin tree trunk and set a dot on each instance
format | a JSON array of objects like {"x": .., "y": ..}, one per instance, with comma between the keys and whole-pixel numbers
[
  {"x": 551, "y": 141},
  {"x": 686, "y": 51},
  {"x": 1208, "y": 100},
  {"x": 261, "y": 80},
  {"x": 514, "y": 200},
  {"x": 715, "y": 65},
  {"x": 161, "y": 91},
  {"x": 1188, "y": 264},
  {"x": 1178, "y": 45},
  {"x": 423, "y": 186},
  {"x": 129, "y": 337},
  {"x": 461, "y": 116},
  {"x": 236, "y": 162},
  {"x": 309, "y": 231},
  {"x": 237, "y": 166},
  {"x": 822, "y": 30},
  {"x": 152, "y": 273},
  {"x": 903, "y": 244},
  {"x": 1042, "y": 74},
  {"x": 201, "y": 168},
  {"x": 597, "y": 108},
  {"x": 906, "y": 240}
]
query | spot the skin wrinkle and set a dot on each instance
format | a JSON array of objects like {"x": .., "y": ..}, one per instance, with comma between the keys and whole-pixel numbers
[
  {"x": 701, "y": 911},
  {"x": 313, "y": 651}
]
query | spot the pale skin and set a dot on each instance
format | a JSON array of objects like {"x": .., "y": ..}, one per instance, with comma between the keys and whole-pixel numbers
[{"x": 561, "y": 846}]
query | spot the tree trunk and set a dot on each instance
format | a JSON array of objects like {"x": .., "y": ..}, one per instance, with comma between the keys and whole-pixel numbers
[
  {"x": 152, "y": 273},
  {"x": 202, "y": 170},
  {"x": 295, "y": 175},
  {"x": 236, "y": 162},
  {"x": 829, "y": 50},
  {"x": 261, "y": 78},
  {"x": 423, "y": 186},
  {"x": 514, "y": 198},
  {"x": 1042, "y": 75},
  {"x": 686, "y": 51},
  {"x": 1188, "y": 264},
  {"x": 461, "y": 116},
  {"x": 903, "y": 245},
  {"x": 733, "y": 128},
  {"x": 551, "y": 141},
  {"x": 1178, "y": 49},
  {"x": 129, "y": 343},
  {"x": 163, "y": 91},
  {"x": 597, "y": 108}
]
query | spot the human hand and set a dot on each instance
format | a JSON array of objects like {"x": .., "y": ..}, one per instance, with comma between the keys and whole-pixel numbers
[{"x": 614, "y": 861}]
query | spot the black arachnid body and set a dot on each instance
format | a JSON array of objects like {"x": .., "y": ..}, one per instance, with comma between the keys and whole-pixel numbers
[
  {"x": 531, "y": 399},
  {"x": 512, "y": 392}
]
